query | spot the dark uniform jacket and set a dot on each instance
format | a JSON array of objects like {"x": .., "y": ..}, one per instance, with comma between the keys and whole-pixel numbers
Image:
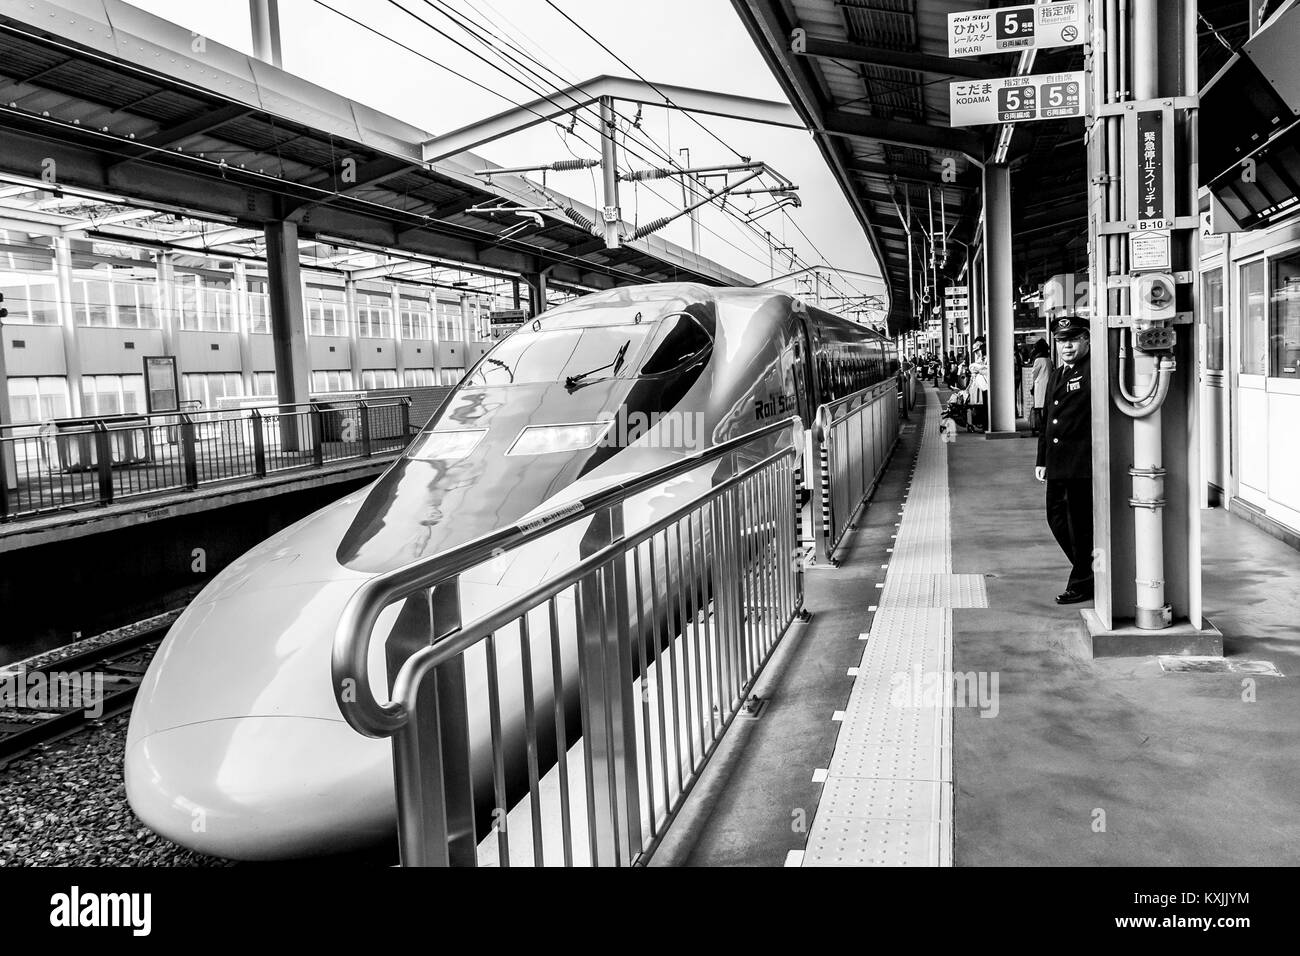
[{"x": 1065, "y": 442}]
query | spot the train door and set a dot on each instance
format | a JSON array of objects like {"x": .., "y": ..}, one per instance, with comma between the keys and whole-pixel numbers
[{"x": 1214, "y": 394}]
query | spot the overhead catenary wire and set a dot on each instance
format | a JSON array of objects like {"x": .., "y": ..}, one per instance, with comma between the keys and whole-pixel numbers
[{"x": 550, "y": 95}]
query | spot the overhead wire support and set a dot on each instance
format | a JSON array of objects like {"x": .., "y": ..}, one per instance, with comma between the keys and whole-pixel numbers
[{"x": 559, "y": 166}]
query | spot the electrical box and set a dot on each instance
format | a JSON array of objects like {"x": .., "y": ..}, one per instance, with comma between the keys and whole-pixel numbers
[{"x": 1153, "y": 297}]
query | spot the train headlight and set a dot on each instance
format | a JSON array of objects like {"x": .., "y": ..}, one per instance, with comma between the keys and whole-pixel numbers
[
  {"x": 450, "y": 445},
  {"x": 548, "y": 439}
]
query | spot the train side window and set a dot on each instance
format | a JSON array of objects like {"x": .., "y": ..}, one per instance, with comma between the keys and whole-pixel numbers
[{"x": 683, "y": 338}]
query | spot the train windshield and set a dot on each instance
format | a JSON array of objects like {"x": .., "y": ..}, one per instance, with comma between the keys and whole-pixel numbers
[{"x": 573, "y": 356}]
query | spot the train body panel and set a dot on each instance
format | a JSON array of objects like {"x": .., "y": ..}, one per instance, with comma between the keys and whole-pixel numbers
[{"x": 235, "y": 724}]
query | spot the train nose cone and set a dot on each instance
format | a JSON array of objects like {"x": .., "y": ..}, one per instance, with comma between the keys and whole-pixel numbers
[{"x": 260, "y": 788}]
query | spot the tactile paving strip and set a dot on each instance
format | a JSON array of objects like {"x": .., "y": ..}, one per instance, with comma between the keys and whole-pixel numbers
[
  {"x": 935, "y": 590},
  {"x": 887, "y": 797}
]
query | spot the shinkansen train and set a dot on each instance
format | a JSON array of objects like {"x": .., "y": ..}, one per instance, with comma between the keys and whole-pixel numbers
[{"x": 236, "y": 746}]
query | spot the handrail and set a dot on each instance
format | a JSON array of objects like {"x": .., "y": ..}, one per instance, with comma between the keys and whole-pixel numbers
[
  {"x": 349, "y": 663},
  {"x": 418, "y": 665},
  {"x": 141, "y": 419}
]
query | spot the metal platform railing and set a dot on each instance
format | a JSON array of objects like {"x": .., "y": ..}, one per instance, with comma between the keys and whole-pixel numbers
[
  {"x": 582, "y": 710},
  {"x": 852, "y": 441},
  {"x": 72, "y": 463}
]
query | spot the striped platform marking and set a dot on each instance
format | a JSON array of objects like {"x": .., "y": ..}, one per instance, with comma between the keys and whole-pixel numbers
[{"x": 887, "y": 794}]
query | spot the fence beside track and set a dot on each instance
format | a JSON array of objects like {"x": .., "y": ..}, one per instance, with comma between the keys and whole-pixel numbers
[{"x": 87, "y": 462}]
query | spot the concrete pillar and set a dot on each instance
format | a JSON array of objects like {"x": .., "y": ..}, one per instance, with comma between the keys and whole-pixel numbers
[
  {"x": 399, "y": 355},
  {"x": 354, "y": 329},
  {"x": 998, "y": 337},
  {"x": 67, "y": 322},
  {"x": 244, "y": 324},
  {"x": 288, "y": 332},
  {"x": 10, "y": 462},
  {"x": 168, "y": 303},
  {"x": 537, "y": 291},
  {"x": 468, "y": 322}
]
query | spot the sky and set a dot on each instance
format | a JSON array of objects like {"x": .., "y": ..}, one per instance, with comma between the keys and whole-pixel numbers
[{"x": 693, "y": 43}]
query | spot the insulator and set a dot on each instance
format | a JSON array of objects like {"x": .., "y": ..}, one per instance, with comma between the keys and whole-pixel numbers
[
  {"x": 565, "y": 165},
  {"x": 579, "y": 218},
  {"x": 660, "y": 172},
  {"x": 653, "y": 226}
]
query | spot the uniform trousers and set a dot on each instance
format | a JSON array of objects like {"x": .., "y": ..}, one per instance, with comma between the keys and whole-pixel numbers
[{"x": 1069, "y": 515}]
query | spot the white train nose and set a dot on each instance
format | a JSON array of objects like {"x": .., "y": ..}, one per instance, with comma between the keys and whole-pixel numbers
[{"x": 260, "y": 788}]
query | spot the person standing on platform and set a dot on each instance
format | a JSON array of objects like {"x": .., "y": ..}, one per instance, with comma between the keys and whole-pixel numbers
[
  {"x": 978, "y": 388},
  {"x": 1065, "y": 456},
  {"x": 1041, "y": 368}
]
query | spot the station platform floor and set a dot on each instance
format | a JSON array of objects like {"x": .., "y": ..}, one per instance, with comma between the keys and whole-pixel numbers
[{"x": 1060, "y": 759}]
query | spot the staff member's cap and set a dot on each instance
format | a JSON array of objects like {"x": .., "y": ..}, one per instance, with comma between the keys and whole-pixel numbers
[{"x": 1069, "y": 327}]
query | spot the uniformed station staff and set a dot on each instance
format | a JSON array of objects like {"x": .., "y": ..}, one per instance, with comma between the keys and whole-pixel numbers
[{"x": 1065, "y": 455}]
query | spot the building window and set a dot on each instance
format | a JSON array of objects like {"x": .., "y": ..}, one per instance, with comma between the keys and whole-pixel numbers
[
  {"x": 375, "y": 315},
  {"x": 92, "y": 302},
  {"x": 326, "y": 310},
  {"x": 379, "y": 378},
  {"x": 31, "y": 300},
  {"x": 1284, "y": 317},
  {"x": 204, "y": 303},
  {"x": 259, "y": 306},
  {"x": 418, "y": 378},
  {"x": 451, "y": 375},
  {"x": 331, "y": 380},
  {"x": 135, "y": 303},
  {"x": 417, "y": 323},
  {"x": 1212, "y": 304},
  {"x": 264, "y": 384},
  {"x": 38, "y": 399},
  {"x": 209, "y": 388},
  {"x": 112, "y": 394},
  {"x": 1254, "y": 321},
  {"x": 449, "y": 324}
]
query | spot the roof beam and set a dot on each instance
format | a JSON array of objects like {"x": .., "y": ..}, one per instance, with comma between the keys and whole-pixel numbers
[
  {"x": 585, "y": 94},
  {"x": 803, "y": 45},
  {"x": 917, "y": 135},
  {"x": 911, "y": 174},
  {"x": 202, "y": 123}
]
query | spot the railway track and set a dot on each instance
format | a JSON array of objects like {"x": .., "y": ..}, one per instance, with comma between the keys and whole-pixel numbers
[{"x": 48, "y": 700}]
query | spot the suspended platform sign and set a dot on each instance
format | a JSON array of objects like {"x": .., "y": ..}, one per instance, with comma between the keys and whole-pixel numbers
[
  {"x": 956, "y": 301},
  {"x": 1017, "y": 99},
  {"x": 1033, "y": 26}
]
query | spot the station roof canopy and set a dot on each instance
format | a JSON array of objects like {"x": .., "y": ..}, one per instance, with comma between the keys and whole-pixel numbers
[
  {"x": 100, "y": 97},
  {"x": 870, "y": 79}
]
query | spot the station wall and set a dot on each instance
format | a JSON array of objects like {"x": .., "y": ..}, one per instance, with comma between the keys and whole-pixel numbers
[
  {"x": 85, "y": 313},
  {"x": 1249, "y": 346}
]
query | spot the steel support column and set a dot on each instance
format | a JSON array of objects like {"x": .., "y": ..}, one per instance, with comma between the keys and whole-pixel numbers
[
  {"x": 999, "y": 339},
  {"x": 288, "y": 331}
]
